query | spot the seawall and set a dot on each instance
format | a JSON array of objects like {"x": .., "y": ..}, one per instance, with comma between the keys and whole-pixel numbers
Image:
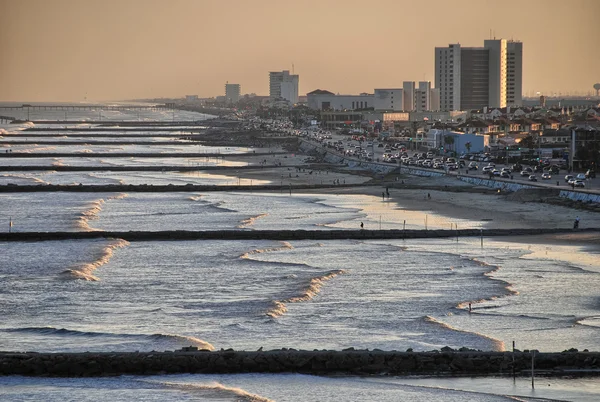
[
  {"x": 348, "y": 361},
  {"x": 280, "y": 235}
]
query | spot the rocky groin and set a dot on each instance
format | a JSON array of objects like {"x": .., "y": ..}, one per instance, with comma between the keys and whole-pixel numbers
[
  {"x": 280, "y": 235},
  {"x": 348, "y": 361}
]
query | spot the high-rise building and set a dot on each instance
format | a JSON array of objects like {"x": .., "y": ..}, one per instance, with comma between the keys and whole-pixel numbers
[
  {"x": 423, "y": 96},
  {"x": 232, "y": 92},
  {"x": 475, "y": 77},
  {"x": 447, "y": 76},
  {"x": 514, "y": 74},
  {"x": 284, "y": 85},
  {"x": 497, "y": 72},
  {"x": 434, "y": 100},
  {"x": 408, "y": 96}
]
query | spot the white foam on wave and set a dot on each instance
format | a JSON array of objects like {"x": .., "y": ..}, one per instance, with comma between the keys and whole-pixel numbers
[
  {"x": 85, "y": 271},
  {"x": 214, "y": 390},
  {"x": 250, "y": 221},
  {"x": 284, "y": 246},
  {"x": 92, "y": 211},
  {"x": 306, "y": 293}
]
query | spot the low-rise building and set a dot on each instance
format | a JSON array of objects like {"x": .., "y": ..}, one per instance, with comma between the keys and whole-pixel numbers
[{"x": 326, "y": 100}]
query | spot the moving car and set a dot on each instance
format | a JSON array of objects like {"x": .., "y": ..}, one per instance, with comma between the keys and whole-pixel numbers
[
  {"x": 546, "y": 176},
  {"x": 569, "y": 177},
  {"x": 532, "y": 178},
  {"x": 505, "y": 174},
  {"x": 580, "y": 176},
  {"x": 579, "y": 183}
]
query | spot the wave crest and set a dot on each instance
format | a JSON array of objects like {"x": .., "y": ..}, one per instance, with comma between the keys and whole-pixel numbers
[
  {"x": 84, "y": 271},
  {"x": 284, "y": 246},
  {"x": 307, "y": 293},
  {"x": 250, "y": 221}
]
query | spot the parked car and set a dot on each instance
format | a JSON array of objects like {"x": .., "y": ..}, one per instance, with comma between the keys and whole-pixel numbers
[
  {"x": 579, "y": 183},
  {"x": 546, "y": 176},
  {"x": 569, "y": 177},
  {"x": 472, "y": 166},
  {"x": 532, "y": 178}
]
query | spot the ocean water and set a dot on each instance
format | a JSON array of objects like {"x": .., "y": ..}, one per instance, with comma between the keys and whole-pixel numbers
[{"x": 112, "y": 295}]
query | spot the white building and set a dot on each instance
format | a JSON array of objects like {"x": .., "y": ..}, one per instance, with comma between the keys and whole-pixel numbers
[
  {"x": 284, "y": 85},
  {"x": 325, "y": 100},
  {"x": 408, "y": 96},
  {"x": 388, "y": 99},
  {"x": 232, "y": 92},
  {"x": 423, "y": 97}
]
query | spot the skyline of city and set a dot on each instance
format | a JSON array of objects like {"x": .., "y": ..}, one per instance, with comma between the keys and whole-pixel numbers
[{"x": 72, "y": 50}]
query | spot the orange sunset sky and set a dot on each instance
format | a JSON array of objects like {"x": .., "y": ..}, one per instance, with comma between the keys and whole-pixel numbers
[{"x": 70, "y": 50}]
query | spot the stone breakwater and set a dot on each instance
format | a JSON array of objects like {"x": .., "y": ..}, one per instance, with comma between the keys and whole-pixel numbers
[
  {"x": 348, "y": 361},
  {"x": 281, "y": 235}
]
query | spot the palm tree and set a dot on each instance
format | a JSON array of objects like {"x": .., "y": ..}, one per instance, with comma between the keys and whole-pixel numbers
[{"x": 449, "y": 140}]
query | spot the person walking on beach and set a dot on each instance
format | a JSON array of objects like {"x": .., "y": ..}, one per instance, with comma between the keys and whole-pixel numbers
[{"x": 362, "y": 226}]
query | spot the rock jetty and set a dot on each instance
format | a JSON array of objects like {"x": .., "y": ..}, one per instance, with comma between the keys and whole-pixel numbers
[{"x": 319, "y": 362}]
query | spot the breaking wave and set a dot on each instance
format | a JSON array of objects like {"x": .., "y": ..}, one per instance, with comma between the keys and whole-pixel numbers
[
  {"x": 250, "y": 221},
  {"x": 306, "y": 293},
  {"x": 92, "y": 211},
  {"x": 176, "y": 340},
  {"x": 214, "y": 390},
  {"x": 84, "y": 271},
  {"x": 284, "y": 246},
  {"x": 498, "y": 345}
]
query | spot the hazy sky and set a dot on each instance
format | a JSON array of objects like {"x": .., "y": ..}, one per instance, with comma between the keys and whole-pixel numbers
[{"x": 122, "y": 49}]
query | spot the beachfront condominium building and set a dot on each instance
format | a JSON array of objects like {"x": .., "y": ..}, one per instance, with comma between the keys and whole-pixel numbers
[
  {"x": 408, "y": 96},
  {"x": 475, "y": 77},
  {"x": 514, "y": 73},
  {"x": 232, "y": 92},
  {"x": 283, "y": 85},
  {"x": 388, "y": 99}
]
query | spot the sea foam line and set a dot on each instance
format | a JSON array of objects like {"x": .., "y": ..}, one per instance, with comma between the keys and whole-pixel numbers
[
  {"x": 250, "y": 221},
  {"x": 84, "y": 271},
  {"x": 489, "y": 274},
  {"x": 214, "y": 390},
  {"x": 307, "y": 293},
  {"x": 93, "y": 209},
  {"x": 284, "y": 246}
]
